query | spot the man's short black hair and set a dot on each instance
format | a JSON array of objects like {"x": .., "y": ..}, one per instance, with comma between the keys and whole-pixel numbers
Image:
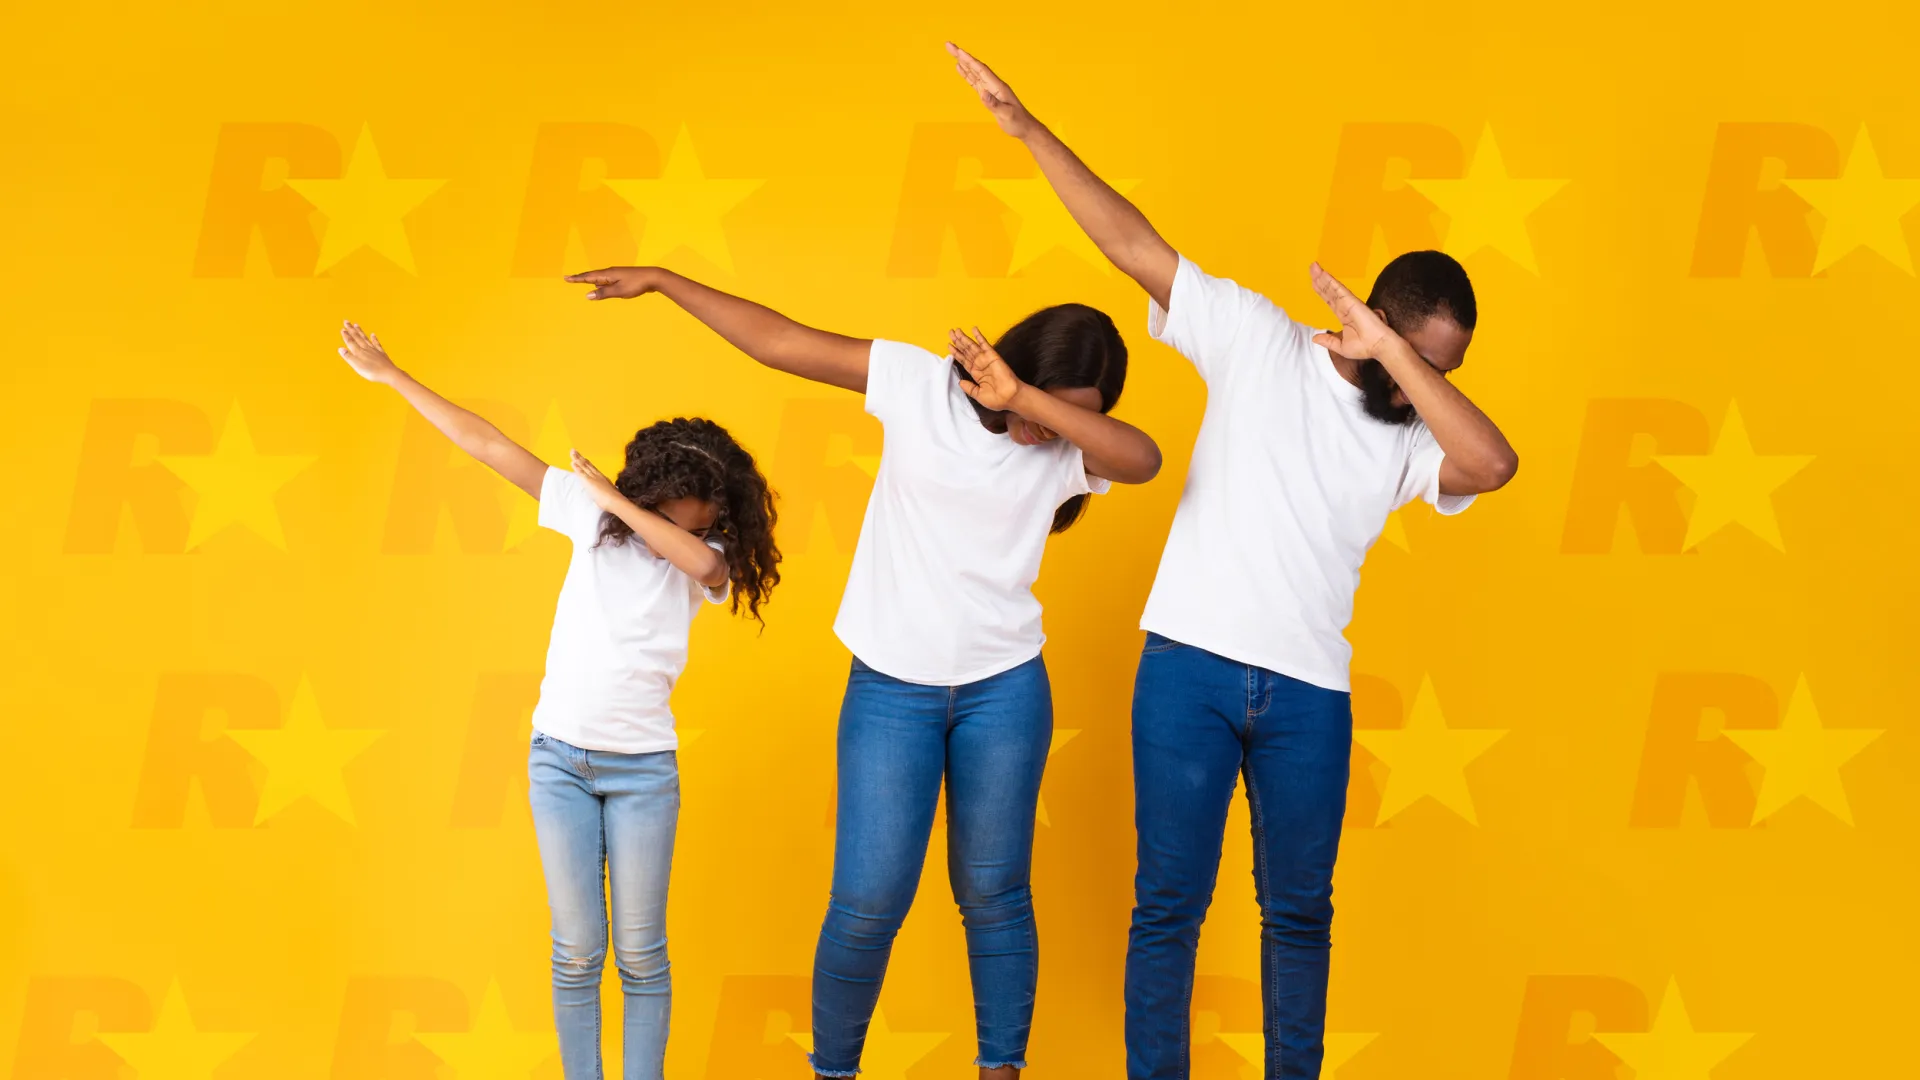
[{"x": 1421, "y": 284}]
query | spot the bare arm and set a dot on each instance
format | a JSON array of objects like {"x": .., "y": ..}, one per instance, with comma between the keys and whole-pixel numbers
[
  {"x": 689, "y": 553},
  {"x": 1112, "y": 449},
  {"x": 1116, "y": 226},
  {"x": 468, "y": 430},
  {"x": 1478, "y": 456},
  {"x": 760, "y": 332}
]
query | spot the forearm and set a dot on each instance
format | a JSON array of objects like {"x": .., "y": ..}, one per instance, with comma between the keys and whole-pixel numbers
[
  {"x": 1474, "y": 445},
  {"x": 768, "y": 336},
  {"x": 1116, "y": 226},
  {"x": 685, "y": 551},
  {"x": 1113, "y": 449},
  {"x": 469, "y": 431}
]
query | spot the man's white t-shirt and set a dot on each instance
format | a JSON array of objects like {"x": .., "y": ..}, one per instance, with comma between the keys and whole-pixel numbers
[
  {"x": 941, "y": 589},
  {"x": 1291, "y": 483},
  {"x": 619, "y": 632}
]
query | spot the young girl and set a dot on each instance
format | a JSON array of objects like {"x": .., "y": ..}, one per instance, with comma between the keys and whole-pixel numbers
[
  {"x": 689, "y": 516},
  {"x": 982, "y": 459}
]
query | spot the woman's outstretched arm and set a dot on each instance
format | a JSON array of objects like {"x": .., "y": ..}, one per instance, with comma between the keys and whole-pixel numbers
[
  {"x": 468, "y": 430},
  {"x": 760, "y": 332}
]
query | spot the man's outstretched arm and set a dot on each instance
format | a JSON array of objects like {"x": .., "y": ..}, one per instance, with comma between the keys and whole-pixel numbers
[{"x": 1115, "y": 225}]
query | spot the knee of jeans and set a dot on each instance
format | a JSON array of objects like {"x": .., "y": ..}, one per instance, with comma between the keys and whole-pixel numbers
[
  {"x": 578, "y": 965},
  {"x": 1299, "y": 918},
  {"x": 988, "y": 900},
  {"x": 644, "y": 962},
  {"x": 865, "y": 913}
]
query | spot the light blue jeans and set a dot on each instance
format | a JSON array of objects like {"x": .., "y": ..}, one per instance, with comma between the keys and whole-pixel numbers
[
  {"x": 604, "y": 817},
  {"x": 898, "y": 740}
]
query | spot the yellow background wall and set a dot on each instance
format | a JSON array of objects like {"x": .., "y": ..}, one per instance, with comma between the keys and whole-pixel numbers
[{"x": 1633, "y": 774}]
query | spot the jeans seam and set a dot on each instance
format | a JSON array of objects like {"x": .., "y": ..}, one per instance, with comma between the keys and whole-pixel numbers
[{"x": 1272, "y": 956}]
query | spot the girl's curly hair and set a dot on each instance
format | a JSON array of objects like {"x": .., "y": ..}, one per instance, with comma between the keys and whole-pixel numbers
[{"x": 694, "y": 457}]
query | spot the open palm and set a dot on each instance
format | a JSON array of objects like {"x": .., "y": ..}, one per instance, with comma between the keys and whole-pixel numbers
[
  {"x": 997, "y": 96},
  {"x": 994, "y": 384},
  {"x": 1362, "y": 330}
]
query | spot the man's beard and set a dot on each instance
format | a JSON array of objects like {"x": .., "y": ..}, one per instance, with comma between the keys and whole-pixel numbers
[{"x": 1376, "y": 394}]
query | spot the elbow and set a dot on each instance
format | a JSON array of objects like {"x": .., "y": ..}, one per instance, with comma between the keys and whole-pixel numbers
[
  {"x": 717, "y": 572},
  {"x": 1143, "y": 468},
  {"x": 1499, "y": 472}
]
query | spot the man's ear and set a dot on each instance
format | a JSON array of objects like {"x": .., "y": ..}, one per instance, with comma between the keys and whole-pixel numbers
[{"x": 1382, "y": 312}]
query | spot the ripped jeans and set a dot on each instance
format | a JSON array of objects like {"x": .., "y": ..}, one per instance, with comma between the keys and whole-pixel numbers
[{"x": 604, "y": 817}]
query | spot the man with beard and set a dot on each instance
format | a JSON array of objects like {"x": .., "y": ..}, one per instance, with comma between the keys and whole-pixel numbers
[{"x": 1310, "y": 439}]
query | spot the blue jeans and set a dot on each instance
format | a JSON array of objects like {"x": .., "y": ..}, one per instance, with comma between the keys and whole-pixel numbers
[
  {"x": 599, "y": 813},
  {"x": 1199, "y": 720},
  {"x": 989, "y": 739}
]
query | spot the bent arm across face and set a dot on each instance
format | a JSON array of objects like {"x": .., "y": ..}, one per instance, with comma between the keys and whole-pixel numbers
[{"x": 1112, "y": 449}]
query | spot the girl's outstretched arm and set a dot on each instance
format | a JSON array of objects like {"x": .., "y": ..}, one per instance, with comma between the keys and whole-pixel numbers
[
  {"x": 760, "y": 332},
  {"x": 683, "y": 549},
  {"x": 469, "y": 431},
  {"x": 1111, "y": 449}
]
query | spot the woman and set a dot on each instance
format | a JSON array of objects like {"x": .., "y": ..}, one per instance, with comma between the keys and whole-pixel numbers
[
  {"x": 689, "y": 517},
  {"x": 984, "y": 455}
]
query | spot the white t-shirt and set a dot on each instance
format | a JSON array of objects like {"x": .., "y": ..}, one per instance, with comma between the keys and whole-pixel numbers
[
  {"x": 1291, "y": 483},
  {"x": 941, "y": 589},
  {"x": 619, "y": 632}
]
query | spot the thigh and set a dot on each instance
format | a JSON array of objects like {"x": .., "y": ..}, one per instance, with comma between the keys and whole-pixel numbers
[
  {"x": 996, "y": 756},
  {"x": 1297, "y": 764},
  {"x": 891, "y": 752},
  {"x": 642, "y": 811},
  {"x": 1189, "y": 715},
  {"x": 567, "y": 824}
]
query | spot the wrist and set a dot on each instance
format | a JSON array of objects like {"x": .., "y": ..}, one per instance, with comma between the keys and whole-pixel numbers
[{"x": 1023, "y": 399}]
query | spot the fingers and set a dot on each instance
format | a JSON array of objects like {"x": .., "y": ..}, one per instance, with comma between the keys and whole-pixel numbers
[
  {"x": 592, "y": 277},
  {"x": 1327, "y": 341},
  {"x": 970, "y": 389},
  {"x": 1328, "y": 286},
  {"x": 581, "y": 465},
  {"x": 965, "y": 351}
]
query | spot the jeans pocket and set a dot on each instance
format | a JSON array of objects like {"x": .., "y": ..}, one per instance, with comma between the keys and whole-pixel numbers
[{"x": 1157, "y": 645}]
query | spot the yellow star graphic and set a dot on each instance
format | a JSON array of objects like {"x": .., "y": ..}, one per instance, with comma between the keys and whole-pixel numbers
[
  {"x": 683, "y": 208},
  {"x": 1045, "y": 223},
  {"x": 304, "y": 757},
  {"x": 888, "y": 1054},
  {"x": 1733, "y": 484},
  {"x": 1427, "y": 757},
  {"x": 1488, "y": 208},
  {"x": 365, "y": 208},
  {"x": 1061, "y": 737},
  {"x": 174, "y": 1049},
  {"x": 1863, "y": 208},
  {"x": 492, "y": 1048},
  {"x": 1340, "y": 1047},
  {"x": 236, "y": 483},
  {"x": 1672, "y": 1050},
  {"x": 1801, "y": 757}
]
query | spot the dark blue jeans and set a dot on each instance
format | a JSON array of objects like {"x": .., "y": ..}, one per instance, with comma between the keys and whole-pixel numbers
[
  {"x": 1199, "y": 720},
  {"x": 989, "y": 740}
]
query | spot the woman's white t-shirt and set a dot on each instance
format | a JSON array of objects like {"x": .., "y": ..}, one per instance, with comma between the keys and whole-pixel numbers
[
  {"x": 1291, "y": 483},
  {"x": 941, "y": 589},
  {"x": 619, "y": 632}
]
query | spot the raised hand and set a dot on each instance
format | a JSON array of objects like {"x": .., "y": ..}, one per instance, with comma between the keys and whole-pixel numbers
[
  {"x": 1362, "y": 331},
  {"x": 997, "y": 96},
  {"x": 363, "y": 353},
  {"x": 617, "y": 282},
  {"x": 605, "y": 495},
  {"x": 994, "y": 384}
]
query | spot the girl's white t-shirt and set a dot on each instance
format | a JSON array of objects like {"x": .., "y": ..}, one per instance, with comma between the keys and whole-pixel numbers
[
  {"x": 1291, "y": 483},
  {"x": 619, "y": 632},
  {"x": 941, "y": 589}
]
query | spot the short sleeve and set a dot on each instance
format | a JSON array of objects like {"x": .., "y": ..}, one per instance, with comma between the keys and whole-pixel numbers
[
  {"x": 1422, "y": 477},
  {"x": 899, "y": 377},
  {"x": 1074, "y": 477},
  {"x": 565, "y": 506},
  {"x": 718, "y": 594},
  {"x": 1208, "y": 317}
]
